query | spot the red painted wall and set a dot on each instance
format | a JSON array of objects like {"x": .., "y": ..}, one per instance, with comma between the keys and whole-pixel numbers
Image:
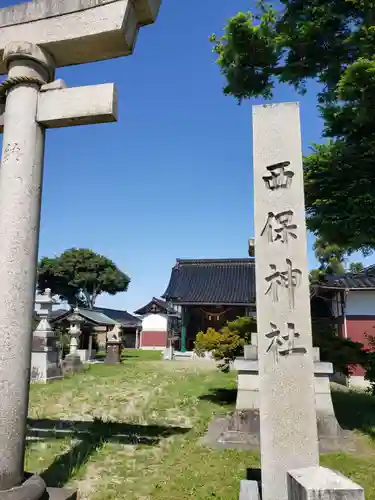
[
  {"x": 154, "y": 339},
  {"x": 357, "y": 327}
]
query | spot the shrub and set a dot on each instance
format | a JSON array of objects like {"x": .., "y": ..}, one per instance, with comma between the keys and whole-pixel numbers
[{"x": 227, "y": 343}]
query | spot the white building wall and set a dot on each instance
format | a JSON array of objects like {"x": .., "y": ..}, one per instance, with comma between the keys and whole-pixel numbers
[
  {"x": 155, "y": 323},
  {"x": 360, "y": 303}
]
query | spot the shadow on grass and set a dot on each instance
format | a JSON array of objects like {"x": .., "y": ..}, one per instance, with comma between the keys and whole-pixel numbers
[
  {"x": 91, "y": 436},
  {"x": 220, "y": 396},
  {"x": 141, "y": 355},
  {"x": 100, "y": 356},
  {"x": 355, "y": 411}
]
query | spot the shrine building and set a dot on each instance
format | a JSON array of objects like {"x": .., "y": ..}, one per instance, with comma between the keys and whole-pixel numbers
[{"x": 209, "y": 293}]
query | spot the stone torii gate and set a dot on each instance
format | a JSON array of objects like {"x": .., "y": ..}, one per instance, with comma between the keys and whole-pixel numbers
[{"x": 35, "y": 38}]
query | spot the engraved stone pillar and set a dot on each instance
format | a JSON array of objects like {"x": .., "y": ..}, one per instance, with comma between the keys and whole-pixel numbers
[
  {"x": 20, "y": 201},
  {"x": 286, "y": 373}
]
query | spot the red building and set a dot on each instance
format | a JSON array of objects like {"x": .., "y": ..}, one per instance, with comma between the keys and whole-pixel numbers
[
  {"x": 154, "y": 316},
  {"x": 351, "y": 299}
]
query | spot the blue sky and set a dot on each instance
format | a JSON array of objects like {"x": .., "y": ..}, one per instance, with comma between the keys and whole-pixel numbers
[{"x": 173, "y": 178}]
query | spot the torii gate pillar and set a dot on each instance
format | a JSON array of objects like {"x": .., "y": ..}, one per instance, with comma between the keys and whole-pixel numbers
[{"x": 53, "y": 34}]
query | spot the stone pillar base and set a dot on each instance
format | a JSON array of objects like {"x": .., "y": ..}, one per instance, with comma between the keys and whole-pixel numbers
[
  {"x": 34, "y": 488},
  {"x": 60, "y": 494},
  {"x": 72, "y": 364},
  {"x": 319, "y": 482},
  {"x": 241, "y": 430},
  {"x": 309, "y": 484},
  {"x": 45, "y": 366},
  {"x": 249, "y": 490},
  {"x": 113, "y": 356}
]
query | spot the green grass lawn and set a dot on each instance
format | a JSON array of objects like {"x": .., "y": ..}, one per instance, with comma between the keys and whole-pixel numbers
[{"x": 132, "y": 431}]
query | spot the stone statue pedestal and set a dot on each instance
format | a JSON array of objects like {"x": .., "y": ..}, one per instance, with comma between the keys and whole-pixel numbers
[
  {"x": 241, "y": 429},
  {"x": 72, "y": 364},
  {"x": 45, "y": 359},
  {"x": 113, "y": 356}
]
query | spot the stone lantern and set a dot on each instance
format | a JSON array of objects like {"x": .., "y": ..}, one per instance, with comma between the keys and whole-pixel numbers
[
  {"x": 72, "y": 362},
  {"x": 45, "y": 302},
  {"x": 75, "y": 321},
  {"x": 45, "y": 359}
]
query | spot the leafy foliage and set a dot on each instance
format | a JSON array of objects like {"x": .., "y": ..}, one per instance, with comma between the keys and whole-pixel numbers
[
  {"x": 342, "y": 353},
  {"x": 330, "y": 256},
  {"x": 332, "y": 42},
  {"x": 227, "y": 343},
  {"x": 370, "y": 366},
  {"x": 80, "y": 275},
  {"x": 316, "y": 276},
  {"x": 356, "y": 267}
]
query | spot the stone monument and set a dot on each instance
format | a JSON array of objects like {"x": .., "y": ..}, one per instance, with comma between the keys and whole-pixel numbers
[
  {"x": 35, "y": 38},
  {"x": 45, "y": 358},
  {"x": 331, "y": 436},
  {"x": 288, "y": 425},
  {"x": 113, "y": 346}
]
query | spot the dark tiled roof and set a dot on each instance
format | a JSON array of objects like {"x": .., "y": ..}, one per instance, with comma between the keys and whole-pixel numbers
[
  {"x": 55, "y": 314},
  {"x": 58, "y": 313},
  {"x": 96, "y": 317},
  {"x": 212, "y": 281},
  {"x": 126, "y": 319},
  {"x": 370, "y": 270},
  {"x": 155, "y": 305},
  {"x": 351, "y": 281}
]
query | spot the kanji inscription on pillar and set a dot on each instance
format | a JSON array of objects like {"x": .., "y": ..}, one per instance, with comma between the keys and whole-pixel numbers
[
  {"x": 289, "y": 279},
  {"x": 286, "y": 375},
  {"x": 283, "y": 341},
  {"x": 280, "y": 227},
  {"x": 279, "y": 176}
]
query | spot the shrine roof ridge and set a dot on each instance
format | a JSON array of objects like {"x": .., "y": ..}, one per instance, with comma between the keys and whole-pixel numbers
[
  {"x": 215, "y": 262},
  {"x": 212, "y": 281},
  {"x": 162, "y": 304},
  {"x": 27, "y": 12},
  {"x": 349, "y": 281}
]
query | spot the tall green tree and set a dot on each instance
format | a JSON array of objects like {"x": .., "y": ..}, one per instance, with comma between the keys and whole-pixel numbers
[
  {"x": 333, "y": 43},
  {"x": 330, "y": 256},
  {"x": 356, "y": 267},
  {"x": 80, "y": 275}
]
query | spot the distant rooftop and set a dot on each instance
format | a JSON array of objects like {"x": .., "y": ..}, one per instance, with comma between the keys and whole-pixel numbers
[
  {"x": 100, "y": 316},
  {"x": 364, "y": 280},
  {"x": 155, "y": 306}
]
